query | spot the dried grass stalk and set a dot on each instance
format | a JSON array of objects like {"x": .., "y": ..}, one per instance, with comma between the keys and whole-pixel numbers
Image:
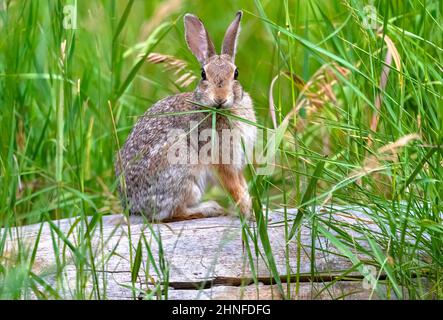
[
  {"x": 392, "y": 53},
  {"x": 162, "y": 11},
  {"x": 389, "y": 152},
  {"x": 318, "y": 91},
  {"x": 178, "y": 66}
]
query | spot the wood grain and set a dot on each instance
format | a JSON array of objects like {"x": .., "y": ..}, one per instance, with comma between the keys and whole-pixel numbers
[{"x": 202, "y": 258}]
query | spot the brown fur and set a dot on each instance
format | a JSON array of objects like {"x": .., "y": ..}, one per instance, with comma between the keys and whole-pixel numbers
[{"x": 149, "y": 183}]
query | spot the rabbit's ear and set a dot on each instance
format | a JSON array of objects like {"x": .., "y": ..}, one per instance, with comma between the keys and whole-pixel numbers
[
  {"x": 230, "y": 41},
  {"x": 198, "y": 39}
]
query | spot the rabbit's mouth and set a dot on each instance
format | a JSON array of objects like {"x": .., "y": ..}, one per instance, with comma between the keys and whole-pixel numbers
[{"x": 219, "y": 103}]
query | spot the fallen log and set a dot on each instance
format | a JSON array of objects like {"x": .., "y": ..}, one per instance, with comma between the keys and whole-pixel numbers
[{"x": 212, "y": 258}]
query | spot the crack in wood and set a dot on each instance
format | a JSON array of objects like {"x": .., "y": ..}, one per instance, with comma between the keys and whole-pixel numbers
[{"x": 237, "y": 282}]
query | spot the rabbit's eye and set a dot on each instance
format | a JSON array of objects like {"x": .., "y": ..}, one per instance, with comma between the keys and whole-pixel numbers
[
  {"x": 236, "y": 74},
  {"x": 203, "y": 74}
]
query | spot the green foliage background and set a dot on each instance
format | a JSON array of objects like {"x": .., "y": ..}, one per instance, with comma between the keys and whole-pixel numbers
[{"x": 64, "y": 111}]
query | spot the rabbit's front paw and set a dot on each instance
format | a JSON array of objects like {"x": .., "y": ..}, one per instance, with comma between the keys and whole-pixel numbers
[{"x": 245, "y": 207}]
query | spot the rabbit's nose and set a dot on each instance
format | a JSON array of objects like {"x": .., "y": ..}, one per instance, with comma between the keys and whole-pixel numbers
[{"x": 220, "y": 101}]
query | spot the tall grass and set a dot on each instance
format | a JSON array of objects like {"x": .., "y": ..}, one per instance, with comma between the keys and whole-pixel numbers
[{"x": 358, "y": 112}]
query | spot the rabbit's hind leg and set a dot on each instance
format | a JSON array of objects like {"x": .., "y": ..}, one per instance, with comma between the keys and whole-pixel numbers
[
  {"x": 202, "y": 210},
  {"x": 193, "y": 208}
]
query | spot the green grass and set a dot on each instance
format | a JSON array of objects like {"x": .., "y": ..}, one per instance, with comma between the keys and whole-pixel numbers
[{"x": 64, "y": 114}]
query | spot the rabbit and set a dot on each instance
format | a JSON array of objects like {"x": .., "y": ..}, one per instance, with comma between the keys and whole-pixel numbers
[{"x": 153, "y": 187}]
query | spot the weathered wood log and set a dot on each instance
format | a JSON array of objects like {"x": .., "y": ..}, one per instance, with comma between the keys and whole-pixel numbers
[{"x": 195, "y": 259}]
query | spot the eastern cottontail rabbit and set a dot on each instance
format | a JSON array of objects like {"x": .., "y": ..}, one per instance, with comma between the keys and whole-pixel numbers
[{"x": 150, "y": 184}]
